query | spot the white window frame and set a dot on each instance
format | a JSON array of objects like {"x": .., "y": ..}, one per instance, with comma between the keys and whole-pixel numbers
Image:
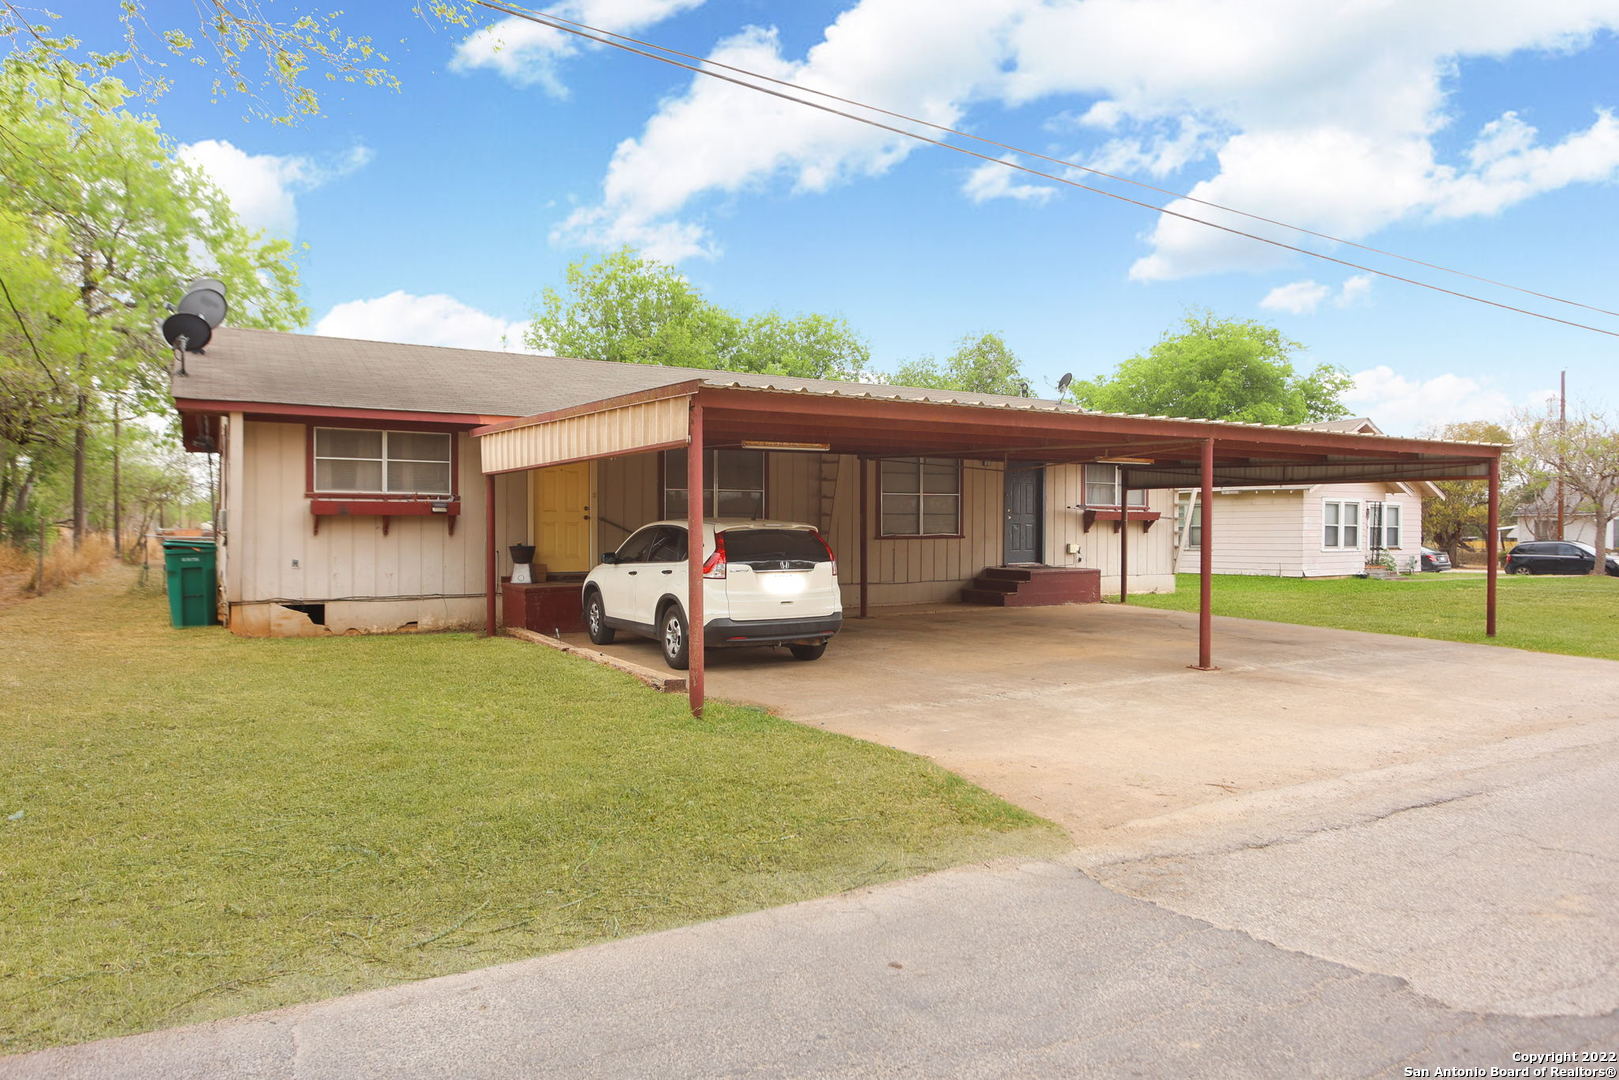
[
  {"x": 1397, "y": 528},
  {"x": 1138, "y": 496},
  {"x": 921, "y": 495},
  {"x": 448, "y": 461},
  {"x": 1340, "y": 526}
]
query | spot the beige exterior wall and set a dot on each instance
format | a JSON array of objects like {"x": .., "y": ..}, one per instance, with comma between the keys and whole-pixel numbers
[
  {"x": 417, "y": 574},
  {"x": 908, "y": 571},
  {"x": 1279, "y": 533},
  {"x": 1150, "y": 565}
]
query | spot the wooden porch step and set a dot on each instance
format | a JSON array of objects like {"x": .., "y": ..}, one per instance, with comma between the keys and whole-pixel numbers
[{"x": 1033, "y": 586}]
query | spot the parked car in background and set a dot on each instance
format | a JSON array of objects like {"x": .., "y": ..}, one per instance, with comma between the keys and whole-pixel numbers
[
  {"x": 764, "y": 583},
  {"x": 1556, "y": 557},
  {"x": 1434, "y": 561}
]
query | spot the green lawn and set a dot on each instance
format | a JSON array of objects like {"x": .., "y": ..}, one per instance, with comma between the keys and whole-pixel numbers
[
  {"x": 1574, "y": 615},
  {"x": 194, "y": 825}
]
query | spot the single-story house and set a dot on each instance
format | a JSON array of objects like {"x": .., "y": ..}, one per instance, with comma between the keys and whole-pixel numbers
[
  {"x": 1538, "y": 521},
  {"x": 369, "y": 486},
  {"x": 1314, "y": 530}
]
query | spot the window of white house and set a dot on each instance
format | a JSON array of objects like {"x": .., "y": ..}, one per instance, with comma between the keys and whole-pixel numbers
[
  {"x": 920, "y": 497},
  {"x": 733, "y": 482},
  {"x": 1102, "y": 487},
  {"x": 1194, "y": 532},
  {"x": 1340, "y": 524},
  {"x": 395, "y": 462},
  {"x": 1391, "y": 528}
]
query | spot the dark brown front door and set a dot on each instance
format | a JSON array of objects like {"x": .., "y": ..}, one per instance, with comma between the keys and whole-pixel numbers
[{"x": 1023, "y": 532}]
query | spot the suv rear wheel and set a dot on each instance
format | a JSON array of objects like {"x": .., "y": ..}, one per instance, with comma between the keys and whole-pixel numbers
[
  {"x": 807, "y": 652},
  {"x": 673, "y": 634},
  {"x": 1522, "y": 568}
]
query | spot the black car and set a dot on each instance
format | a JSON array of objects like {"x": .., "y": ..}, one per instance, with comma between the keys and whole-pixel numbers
[
  {"x": 1433, "y": 561},
  {"x": 1556, "y": 557}
]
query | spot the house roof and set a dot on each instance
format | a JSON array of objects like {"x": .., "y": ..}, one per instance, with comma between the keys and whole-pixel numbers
[
  {"x": 274, "y": 367},
  {"x": 1359, "y": 425}
]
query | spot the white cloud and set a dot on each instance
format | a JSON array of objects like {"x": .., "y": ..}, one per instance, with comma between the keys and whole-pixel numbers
[
  {"x": 1354, "y": 290},
  {"x": 530, "y": 54},
  {"x": 992, "y": 181},
  {"x": 720, "y": 139},
  {"x": 422, "y": 320},
  {"x": 262, "y": 188},
  {"x": 1325, "y": 116},
  {"x": 1298, "y": 297},
  {"x": 1304, "y": 297},
  {"x": 1403, "y": 406}
]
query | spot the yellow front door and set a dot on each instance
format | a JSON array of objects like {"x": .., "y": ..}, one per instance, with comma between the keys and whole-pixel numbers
[{"x": 561, "y": 500}]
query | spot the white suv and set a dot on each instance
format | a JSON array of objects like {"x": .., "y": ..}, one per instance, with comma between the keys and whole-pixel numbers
[{"x": 764, "y": 583}]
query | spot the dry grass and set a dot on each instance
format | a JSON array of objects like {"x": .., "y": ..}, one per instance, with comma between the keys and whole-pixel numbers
[
  {"x": 64, "y": 565},
  {"x": 14, "y": 560}
]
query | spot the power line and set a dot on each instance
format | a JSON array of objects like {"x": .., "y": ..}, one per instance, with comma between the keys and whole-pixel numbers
[
  {"x": 1076, "y": 165},
  {"x": 582, "y": 33}
]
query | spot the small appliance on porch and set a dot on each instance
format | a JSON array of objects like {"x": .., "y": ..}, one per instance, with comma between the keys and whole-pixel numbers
[{"x": 523, "y": 564}]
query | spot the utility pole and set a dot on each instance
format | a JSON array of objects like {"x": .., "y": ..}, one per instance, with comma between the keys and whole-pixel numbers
[{"x": 1562, "y": 433}]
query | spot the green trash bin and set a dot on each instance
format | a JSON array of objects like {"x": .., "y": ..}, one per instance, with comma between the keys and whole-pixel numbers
[{"x": 188, "y": 563}]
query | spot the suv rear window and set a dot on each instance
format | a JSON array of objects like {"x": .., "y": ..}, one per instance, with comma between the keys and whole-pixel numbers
[{"x": 774, "y": 546}]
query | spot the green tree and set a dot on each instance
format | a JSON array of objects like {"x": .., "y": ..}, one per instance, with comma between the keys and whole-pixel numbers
[
  {"x": 1219, "y": 369},
  {"x": 1461, "y": 510},
  {"x": 122, "y": 225},
  {"x": 981, "y": 364},
  {"x": 1582, "y": 452},
  {"x": 635, "y": 310}
]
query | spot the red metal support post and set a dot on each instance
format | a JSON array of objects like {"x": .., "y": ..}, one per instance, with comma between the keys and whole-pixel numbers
[
  {"x": 1205, "y": 618},
  {"x": 491, "y": 572},
  {"x": 864, "y": 518},
  {"x": 1492, "y": 543},
  {"x": 1124, "y": 539},
  {"x": 695, "y": 555}
]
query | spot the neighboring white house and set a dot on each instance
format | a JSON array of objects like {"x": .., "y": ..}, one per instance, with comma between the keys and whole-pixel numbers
[
  {"x": 1320, "y": 530},
  {"x": 1538, "y": 521}
]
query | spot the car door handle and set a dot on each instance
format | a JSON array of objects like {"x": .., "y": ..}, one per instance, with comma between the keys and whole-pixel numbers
[
  {"x": 632, "y": 573},
  {"x": 668, "y": 571}
]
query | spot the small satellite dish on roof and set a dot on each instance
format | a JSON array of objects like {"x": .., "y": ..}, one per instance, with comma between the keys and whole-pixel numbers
[
  {"x": 1062, "y": 383},
  {"x": 191, "y": 326}
]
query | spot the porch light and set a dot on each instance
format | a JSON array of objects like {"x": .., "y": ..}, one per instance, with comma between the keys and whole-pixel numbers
[
  {"x": 1125, "y": 461},
  {"x": 813, "y": 447}
]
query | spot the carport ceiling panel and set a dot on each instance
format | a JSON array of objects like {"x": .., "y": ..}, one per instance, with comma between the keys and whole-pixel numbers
[{"x": 628, "y": 429}]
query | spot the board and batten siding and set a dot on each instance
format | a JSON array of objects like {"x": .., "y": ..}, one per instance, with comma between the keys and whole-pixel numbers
[
  {"x": 1150, "y": 559},
  {"x": 417, "y": 575},
  {"x": 910, "y": 570},
  {"x": 1280, "y": 533}
]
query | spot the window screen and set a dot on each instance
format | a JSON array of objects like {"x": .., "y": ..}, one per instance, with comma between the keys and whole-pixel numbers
[
  {"x": 920, "y": 497},
  {"x": 395, "y": 462},
  {"x": 734, "y": 484}
]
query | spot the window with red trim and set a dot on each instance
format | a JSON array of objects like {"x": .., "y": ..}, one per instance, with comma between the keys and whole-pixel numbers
[{"x": 382, "y": 462}]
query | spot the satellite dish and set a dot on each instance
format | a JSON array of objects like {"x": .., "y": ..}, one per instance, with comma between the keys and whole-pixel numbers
[
  {"x": 187, "y": 331},
  {"x": 1062, "y": 383},
  {"x": 206, "y": 303}
]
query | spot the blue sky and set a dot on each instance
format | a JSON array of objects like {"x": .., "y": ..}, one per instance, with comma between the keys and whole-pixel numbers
[{"x": 1471, "y": 134}]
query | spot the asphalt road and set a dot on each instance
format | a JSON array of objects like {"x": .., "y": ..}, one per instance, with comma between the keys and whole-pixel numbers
[{"x": 1447, "y": 913}]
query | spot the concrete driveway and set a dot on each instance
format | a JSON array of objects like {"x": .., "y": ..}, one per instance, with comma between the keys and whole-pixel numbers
[{"x": 1090, "y": 716}]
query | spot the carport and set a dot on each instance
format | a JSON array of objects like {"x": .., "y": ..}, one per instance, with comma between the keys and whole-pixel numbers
[{"x": 868, "y": 423}]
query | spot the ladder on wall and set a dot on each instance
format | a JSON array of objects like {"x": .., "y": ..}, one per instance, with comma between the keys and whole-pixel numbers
[{"x": 830, "y": 466}]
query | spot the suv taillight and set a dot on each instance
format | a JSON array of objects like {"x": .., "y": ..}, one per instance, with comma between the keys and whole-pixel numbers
[
  {"x": 715, "y": 566},
  {"x": 831, "y": 558}
]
